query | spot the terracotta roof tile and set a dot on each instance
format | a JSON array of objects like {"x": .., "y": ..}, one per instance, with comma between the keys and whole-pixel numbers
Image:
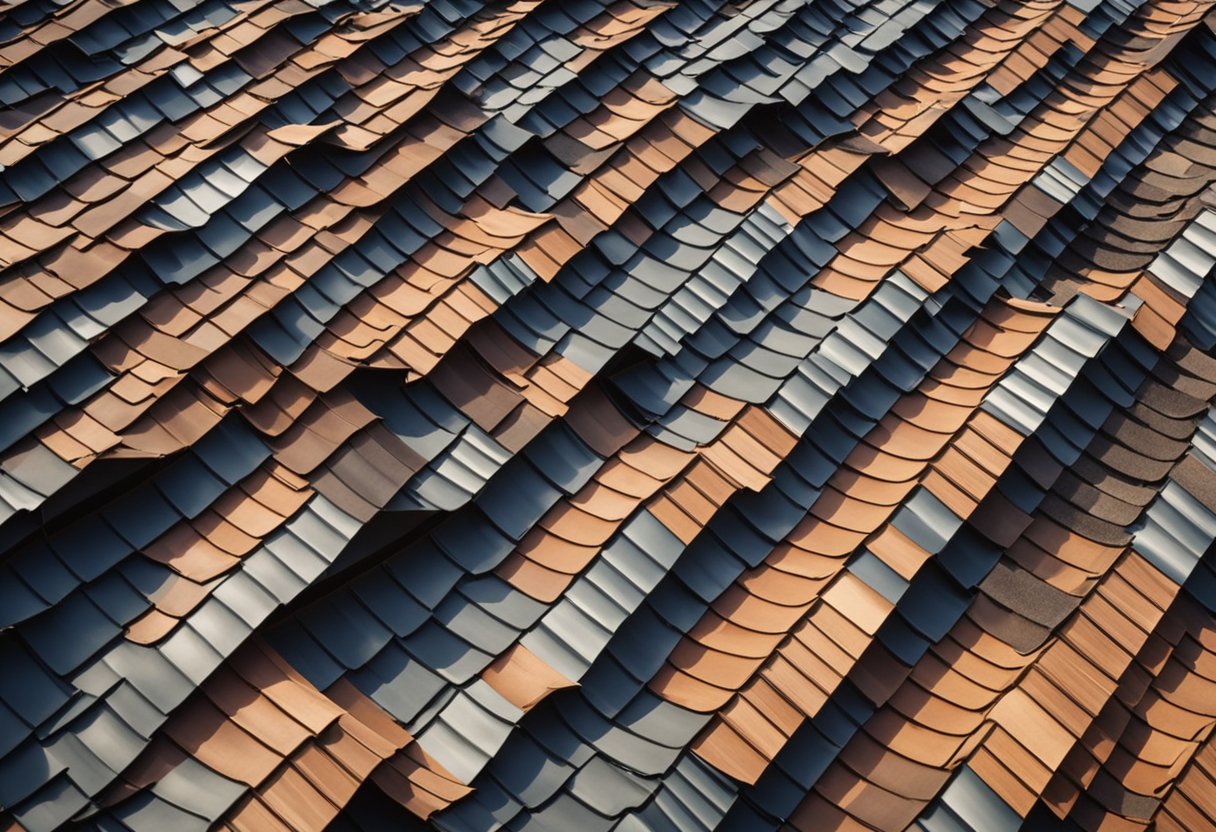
[{"x": 823, "y": 396}]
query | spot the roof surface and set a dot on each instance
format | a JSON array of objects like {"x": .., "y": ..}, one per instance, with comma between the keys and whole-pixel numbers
[{"x": 587, "y": 415}]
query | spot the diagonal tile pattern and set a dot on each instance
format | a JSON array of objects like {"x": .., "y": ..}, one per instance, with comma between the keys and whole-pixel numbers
[{"x": 610, "y": 414}]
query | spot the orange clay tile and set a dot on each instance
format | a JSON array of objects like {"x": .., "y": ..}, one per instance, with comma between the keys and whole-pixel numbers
[
  {"x": 522, "y": 678},
  {"x": 372, "y": 293}
]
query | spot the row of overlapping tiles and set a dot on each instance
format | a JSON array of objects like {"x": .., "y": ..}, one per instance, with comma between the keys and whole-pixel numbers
[{"x": 855, "y": 533}]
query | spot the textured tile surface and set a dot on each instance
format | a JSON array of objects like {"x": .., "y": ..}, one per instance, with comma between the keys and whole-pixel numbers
[{"x": 774, "y": 414}]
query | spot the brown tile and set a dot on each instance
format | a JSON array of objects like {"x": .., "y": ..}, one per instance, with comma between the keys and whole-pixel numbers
[
  {"x": 756, "y": 613},
  {"x": 355, "y": 746},
  {"x": 293, "y": 798},
  {"x": 534, "y": 580},
  {"x": 781, "y": 587},
  {"x": 910, "y": 740},
  {"x": 718, "y": 633},
  {"x": 875, "y": 461},
  {"x": 255, "y": 713},
  {"x": 725, "y": 748},
  {"x": 576, "y": 525},
  {"x": 870, "y": 803},
  {"x": 151, "y": 627},
  {"x": 690, "y": 692},
  {"x": 858, "y": 602},
  {"x": 250, "y": 814},
  {"x": 207, "y": 735},
  {"x": 849, "y": 512},
  {"x": 820, "y": 537},
  {"x": 995, "y": 770},
  {"x": 671, "y": 515},
  {"x": 522, "y": 678},
  {"x": 890, "y": 771},
  {"x": 326, "y": 775},
  {"x": 268, "y": 673},
  {"x": 184, "y": 550}
]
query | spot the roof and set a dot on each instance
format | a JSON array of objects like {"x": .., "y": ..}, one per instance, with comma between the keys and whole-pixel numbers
[{"x": 607, "y": 414}]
